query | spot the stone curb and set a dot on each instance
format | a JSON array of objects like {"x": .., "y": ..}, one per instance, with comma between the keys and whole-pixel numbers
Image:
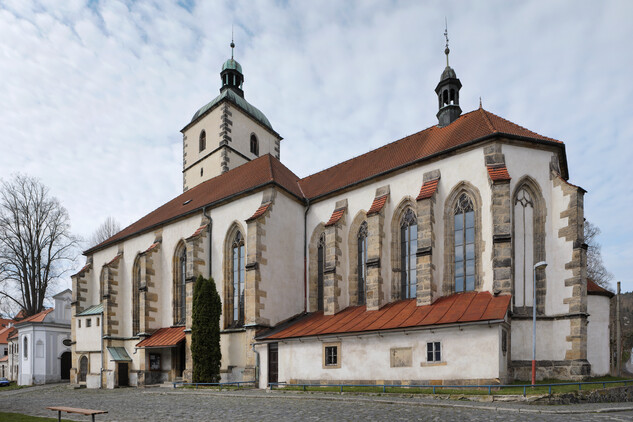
[{"x": 318, "y": 396}]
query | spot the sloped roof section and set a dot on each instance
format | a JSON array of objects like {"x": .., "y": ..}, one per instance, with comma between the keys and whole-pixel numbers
[
  {"x": 164, "y": 337},
  {"x": 262, "y": 171},
  {"x": 468, "y": 127},
  {"x": 39, "y": 317},
  {"x": 5, "y": 333},
  {"x": 594, "y": 289},
  {"x": 93, "y": 310},
  {"x": 498, "y": 173},
  {"x": 457, "y": 308}
]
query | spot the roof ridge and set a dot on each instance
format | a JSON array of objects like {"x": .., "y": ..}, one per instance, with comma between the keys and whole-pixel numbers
[{"x": 487, "y": 120}]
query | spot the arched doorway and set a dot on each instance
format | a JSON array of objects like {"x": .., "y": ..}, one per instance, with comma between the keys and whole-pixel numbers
[
  {"x": 65, "y": 365},
  {"x": 83, "y": 368}
]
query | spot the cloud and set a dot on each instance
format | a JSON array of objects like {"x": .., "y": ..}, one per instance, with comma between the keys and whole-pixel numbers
[{"x": 94, "y": 93}]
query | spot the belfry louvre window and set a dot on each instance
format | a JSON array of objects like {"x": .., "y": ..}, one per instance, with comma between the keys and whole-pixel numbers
[
  {"x": 433, "y": 351},
  {"x": 408, "y": 248},
  {"x": 239, "y": 272},
  {"x": 464, "y": 225},
  {"x": 320, "y": 271},
  {"x": 362, "y": 263}
]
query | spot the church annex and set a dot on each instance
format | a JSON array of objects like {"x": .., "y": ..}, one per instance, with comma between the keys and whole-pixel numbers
[{"x": 412, "y": 263}]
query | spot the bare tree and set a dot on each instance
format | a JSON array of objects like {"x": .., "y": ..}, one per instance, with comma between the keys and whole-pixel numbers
[
  {"x": 106, "y": 230},
  {"x": 596, "y": 270},
  {"x": 36, "y": 246}
]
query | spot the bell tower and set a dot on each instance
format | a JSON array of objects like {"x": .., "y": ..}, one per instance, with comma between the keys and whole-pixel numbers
[{"x": 447, "y": 91}]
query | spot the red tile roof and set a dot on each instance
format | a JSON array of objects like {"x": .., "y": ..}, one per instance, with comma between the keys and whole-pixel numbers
[
  {"x": 5, "y": 322},
  {"x": 260, "y": 211},
  {"x": 428, "y": 189},
  {"x": 337, "y": 214},
  {"x": 5, "y": 333},
  {"x": 377, "y": 205},
  {"x": 164, "y": 337},
  {"x": 594, "y": 289},
  {"x": 4, "y": 358},
  {"x": 154, "y": 246},
  {"x": 457, "y": 308},
  {"x": 39, "y": 317},
  {"x": 257, "y": 173},
  {"x": 498, "y": 173},
  {"x": 198, "y": 231},
  {"x": 471, "y": 127}
]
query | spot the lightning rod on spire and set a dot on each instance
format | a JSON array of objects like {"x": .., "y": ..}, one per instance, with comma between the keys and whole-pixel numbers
[
  {"x": 232, "y": 43},
  {"x": 446, "y": 50}
]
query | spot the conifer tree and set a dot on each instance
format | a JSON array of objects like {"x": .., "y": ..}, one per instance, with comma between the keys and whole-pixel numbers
[{"x": 205, "y": 331}]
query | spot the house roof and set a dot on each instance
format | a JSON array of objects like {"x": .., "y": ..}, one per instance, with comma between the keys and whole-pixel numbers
[
  {"x": 119, "y": 354},
  {"x": 39, "y": 317},
  {"x": 457, "y": 308},
  {"x": 471, "y": 127},
  {"x": 164, "y": 337},
  {"x": 594, "y": 289},
  {"x": 5, "y": 333},
  {"x": 5, "y": 322},
  {"x": 93, "y": 310},
  {"x": 260, "y": 172},
  {"x": 4, "y": 358}
]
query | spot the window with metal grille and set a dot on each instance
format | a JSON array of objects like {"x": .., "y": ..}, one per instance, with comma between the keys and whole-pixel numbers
[
  {"x": 331, "y": 355},
  {"x": 408, "y": 249},
  {"x": 433, "y": 352}
]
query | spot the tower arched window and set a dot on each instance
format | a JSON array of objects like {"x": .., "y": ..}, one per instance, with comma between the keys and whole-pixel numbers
[
  {"x": 464, "y": 230},
  {"x": 238, "y": 260},
  {"x": 320, "y": 271},
  {"x": 362, "y": 263},
  {"x": 203, "y": 140},
  {"x": 136, "y": 303},
  {"x": 180, "y": 280},
  {"x": 254, "y": 145},
  {"x": 408, "y": 249}
]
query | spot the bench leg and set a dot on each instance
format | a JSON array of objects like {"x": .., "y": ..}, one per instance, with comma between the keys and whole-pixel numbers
[
  {"x": 93, "y": 418},
  {"x": 59, "y": 416}
]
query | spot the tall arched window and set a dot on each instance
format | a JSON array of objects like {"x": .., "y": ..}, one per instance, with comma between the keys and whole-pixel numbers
[
  {"x": 180, "y": 291},
  {"x": 362, "y": 263},
  {"x": 83, "y": 368},
  {"x": 25, "y": 351},
  {"x": 254, "y": 145},
  {"x": 136, "y": 303},
  {"x": 320, "y": 271},
  {"x": 408, "y": 248},
  {"x": 203, "y": 140},
  {"x": 464, "y": 230},
  {"x": 239, "y": 275}
]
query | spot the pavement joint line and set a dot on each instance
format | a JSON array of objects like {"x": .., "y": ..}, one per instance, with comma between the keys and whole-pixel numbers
[{"x": 410, "y": 403}]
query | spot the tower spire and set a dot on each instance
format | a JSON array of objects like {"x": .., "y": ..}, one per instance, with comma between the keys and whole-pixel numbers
[
  {"x": 446, "y": 50},
  {"x": 233, "y": 44}
]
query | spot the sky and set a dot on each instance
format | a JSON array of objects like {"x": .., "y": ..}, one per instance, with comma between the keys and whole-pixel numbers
[{"x": 93, "y": 94}]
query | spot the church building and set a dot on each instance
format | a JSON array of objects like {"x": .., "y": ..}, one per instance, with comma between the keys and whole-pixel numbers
[{"x": 419, "y": 262}]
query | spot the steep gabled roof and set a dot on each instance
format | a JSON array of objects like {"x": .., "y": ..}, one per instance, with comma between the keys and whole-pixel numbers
[
  {"x": 476, "y": 125},
  {"x": 260, "y": 172}
]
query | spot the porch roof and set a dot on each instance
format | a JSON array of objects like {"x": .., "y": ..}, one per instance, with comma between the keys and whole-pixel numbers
[
  {"x": 164, "y": 337},
  {"x": 119, "y": 354}
]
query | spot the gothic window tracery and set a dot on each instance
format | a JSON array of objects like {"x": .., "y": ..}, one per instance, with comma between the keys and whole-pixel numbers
[
  {"x": 180, "y": 292},
  {"x": 238, "y": 260},
  {"x": 464, "y": 230},
  {"x": 408, "y": 249},
  {"x": 320, "y": 271},
  {"x": 523, "y": 248},
  {"x": 136, "y": 284},
  {"x": 362, "y": 263}
]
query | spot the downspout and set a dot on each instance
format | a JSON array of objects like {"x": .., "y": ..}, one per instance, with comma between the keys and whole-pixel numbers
[
  {"x": 210, "y": 231},
  {"x": 305, "y": 257},
  {"x": 103, "y": 353}
]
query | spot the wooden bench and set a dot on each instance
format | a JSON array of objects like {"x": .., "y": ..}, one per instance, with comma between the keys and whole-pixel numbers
[{"x": 90, "y": 412}]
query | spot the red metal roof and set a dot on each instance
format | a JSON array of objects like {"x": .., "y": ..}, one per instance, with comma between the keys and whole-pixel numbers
[
  {"x": 377, "y": 205},
  {"x": 457, "y": 308},
  {"x": 594, "y": 289},
  {"x": 336, "y": 216},
  {"x": 498, "y": 173},
  {"x": 428, "y": 189},
  {"x": 164, "y": 337}
]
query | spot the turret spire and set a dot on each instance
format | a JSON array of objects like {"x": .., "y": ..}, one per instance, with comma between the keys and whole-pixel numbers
[
  {"x": 446, "y": 50},
  {"x": 233, "y": 44},
  {"x": 231, "y": 75},
  {"x": 448, "y": 90}
]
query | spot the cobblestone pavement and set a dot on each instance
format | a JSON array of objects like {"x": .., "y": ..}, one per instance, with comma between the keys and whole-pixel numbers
[{"x": 160, "y": 404}]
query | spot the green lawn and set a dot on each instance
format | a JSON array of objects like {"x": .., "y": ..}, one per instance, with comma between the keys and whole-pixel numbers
[
  {"x": 16, "y": 417},
  {"x": 596, "y": 383},
  {"x": 13, "y": 386}
]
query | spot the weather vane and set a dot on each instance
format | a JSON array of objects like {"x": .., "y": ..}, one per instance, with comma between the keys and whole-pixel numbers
[
  {"x": 446, "y": 50},
  {"x": 232, "y": 43}
]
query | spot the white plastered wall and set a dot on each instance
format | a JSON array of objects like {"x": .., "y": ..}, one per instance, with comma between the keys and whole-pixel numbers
[{"x": 598, "y": 334}]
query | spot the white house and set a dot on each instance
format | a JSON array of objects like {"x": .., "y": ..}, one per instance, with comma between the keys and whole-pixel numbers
[
  {"x": 43, "y": 344},
  {"x": 411, "y": 263}
]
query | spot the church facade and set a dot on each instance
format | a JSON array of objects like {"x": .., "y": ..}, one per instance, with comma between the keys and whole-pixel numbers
[{"x": 421, "y": 261}]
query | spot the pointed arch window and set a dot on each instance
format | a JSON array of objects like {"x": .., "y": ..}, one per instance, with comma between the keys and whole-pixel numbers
[
  {"x": 362, "y": 263},
  {"x": 238, "y": 277},
  {"x": 180, "y": 291},
  {"x": 464, "y": 226},
  {"x": 523, "y": 248},
  {"x": 203, "y": 140},
  {"x": 408, "y": 248},
  {"x": 320, "y": 271},
  {"x": 136, "y": 305},
  {"x": 254, "y": 145}
]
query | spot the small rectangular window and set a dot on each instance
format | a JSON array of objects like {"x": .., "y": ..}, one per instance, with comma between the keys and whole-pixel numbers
[
  {"x": 78, "y": 323},
  {"x": 88, "y": 322},
  {"x": 433, "y": 352},
  {"x": 97, "y": 321},
  {"x": 331, "y": 356}
]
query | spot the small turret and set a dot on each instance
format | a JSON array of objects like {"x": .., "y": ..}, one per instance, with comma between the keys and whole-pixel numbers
[
  {"x": 232, "y": 77},
  {"x": 447, "y": 91}
]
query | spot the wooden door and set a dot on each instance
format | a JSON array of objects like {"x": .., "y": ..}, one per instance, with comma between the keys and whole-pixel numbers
[{"x": 273, "y": 362}]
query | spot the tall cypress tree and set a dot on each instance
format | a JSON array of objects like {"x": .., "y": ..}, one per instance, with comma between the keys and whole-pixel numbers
[{"x": 205, "y": 331}]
